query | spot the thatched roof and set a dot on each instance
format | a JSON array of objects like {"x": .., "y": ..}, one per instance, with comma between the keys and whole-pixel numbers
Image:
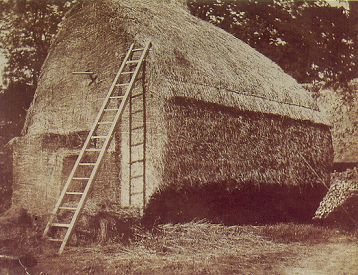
[{"x": 189, "y": 58}]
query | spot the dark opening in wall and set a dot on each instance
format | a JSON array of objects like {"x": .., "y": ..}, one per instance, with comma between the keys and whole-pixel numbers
[
  {"x": 74, "y": 140},
  {"x": 343, "y": 166},
  {"x": 247, "y": 204}
]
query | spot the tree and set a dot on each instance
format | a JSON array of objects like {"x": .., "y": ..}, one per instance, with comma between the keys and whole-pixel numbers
[
  {"x": 27, "y": 29},
  {"x": 30, "y": 26},
  {"x": 310, "y": 40}
]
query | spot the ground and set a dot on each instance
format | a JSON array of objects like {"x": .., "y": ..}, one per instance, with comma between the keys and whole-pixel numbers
[{"x": 196, "y": 248}]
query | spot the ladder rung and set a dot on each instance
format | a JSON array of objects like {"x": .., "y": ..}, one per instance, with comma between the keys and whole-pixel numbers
[
  {"x": 137, "y": 128},
  {"x": 67, "y": 208},
  {"x": 97, "y": 137},
  {"x": 83, "y": 72},
  {"x": 93, "y": 150},
  {"x": 116, "y": 97},
  {"x": 137, "y": 95},
  {"x": 137, "y": 144},
  {"x": 74, "y": 193},
  {"x": 137, "y": 161},
  {"x": 136, "y": 193},
  {"x": 121, "y": 84},
  {"x": 137, "y": 112},
  {"x": 111, "y": 103},
  {"x": 133, "y": 61},
  {"x": 132, "y": 72},
  {"x": 60, "y": 225},
  {"x": 87, "y": 163},
  {"x": 55, "y": 240}
]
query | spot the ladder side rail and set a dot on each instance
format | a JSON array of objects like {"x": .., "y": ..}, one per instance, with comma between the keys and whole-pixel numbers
[
  {"x": 106, "y": 99},
  {"x": 144, "y": 140},
  {"x": 130, "y": 151},
  {"x": 144, "y": 145},
  {"x": 105, "y": 146},
  {"x": 130, "y": 87},
  {"x": 124, "y": 63},
  {"x": 99, "y": 115}
]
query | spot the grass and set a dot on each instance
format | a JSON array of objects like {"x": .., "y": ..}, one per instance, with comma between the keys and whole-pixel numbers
[{"x": 190, "y": 248}]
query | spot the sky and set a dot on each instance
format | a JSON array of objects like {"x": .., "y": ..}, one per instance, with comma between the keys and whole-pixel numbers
[{"x": 335, "y": 3}]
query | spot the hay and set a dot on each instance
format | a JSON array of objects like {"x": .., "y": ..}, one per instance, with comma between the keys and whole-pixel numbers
[
  {"x": 223, "y": 143},
  {"x": 340, "y": 205},
  {"x": 41, "y": 168},
  {"x": 189, "y": 59}
]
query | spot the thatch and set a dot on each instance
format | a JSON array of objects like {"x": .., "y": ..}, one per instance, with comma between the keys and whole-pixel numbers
[
  {"x": 192, "y": 58},
  {"x": 203, "y": 86},
  {"x": 222, "y": 143},
  {"x": 340, "y": 205}
]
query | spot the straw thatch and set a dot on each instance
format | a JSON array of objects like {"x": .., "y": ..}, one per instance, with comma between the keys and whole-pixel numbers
[
  {"x": 340, "y": 204},
  {"x": 217, "y": 109}
]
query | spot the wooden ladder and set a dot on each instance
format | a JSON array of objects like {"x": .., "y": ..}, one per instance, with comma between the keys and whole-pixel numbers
[{"x": 85, "y": 169}]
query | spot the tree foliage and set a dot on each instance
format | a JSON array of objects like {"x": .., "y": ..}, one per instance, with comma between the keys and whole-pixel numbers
[
  {"x": 27, "y": 29},
  {"x": 311, "y": 40}
]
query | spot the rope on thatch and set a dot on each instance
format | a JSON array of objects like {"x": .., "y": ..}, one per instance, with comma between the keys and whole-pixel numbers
[{"x": 315, "y": 108}]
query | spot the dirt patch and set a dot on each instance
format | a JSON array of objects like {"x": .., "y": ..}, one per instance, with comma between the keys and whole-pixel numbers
[{"x": 332, "y": 258}]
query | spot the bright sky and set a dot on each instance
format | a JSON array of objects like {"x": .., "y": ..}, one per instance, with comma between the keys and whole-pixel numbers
[{"x": 341, "y": 3}]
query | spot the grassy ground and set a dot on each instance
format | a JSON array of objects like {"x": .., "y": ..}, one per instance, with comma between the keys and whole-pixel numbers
[{"x": 202, "y": 248}]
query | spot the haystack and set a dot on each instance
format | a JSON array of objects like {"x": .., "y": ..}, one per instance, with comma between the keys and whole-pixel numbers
[
  {"x": 340, "y": 204},
  {"x": 218, "y": 111}
]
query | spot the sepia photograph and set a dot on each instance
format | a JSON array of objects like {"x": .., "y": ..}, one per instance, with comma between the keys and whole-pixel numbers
[{"x": 179, "y": 137}]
